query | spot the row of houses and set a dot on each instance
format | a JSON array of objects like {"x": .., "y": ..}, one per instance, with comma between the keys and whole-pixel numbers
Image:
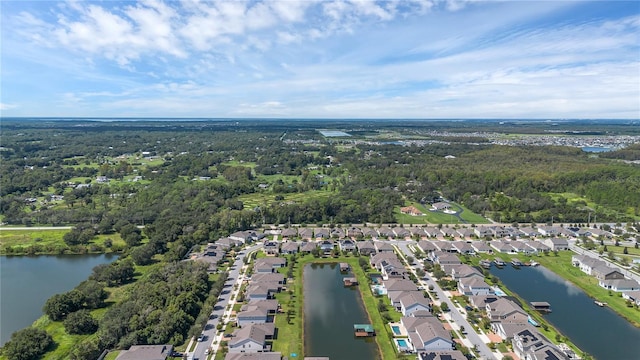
[
  {"x": 423, "y": 333},
  {"x": 508, "y": 319},
  {"x": 608, "y": 277},
  {"x": 426, "y": 232},
  {"x": 325, "y": 246},
  {"x": 526, "y": 247}
]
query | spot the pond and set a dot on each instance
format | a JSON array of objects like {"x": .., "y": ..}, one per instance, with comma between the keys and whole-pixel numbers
[
  {"x": 598, "y": 331},
  {"x": 330, "y": 311},
  {"x": 26, "y": 282}
]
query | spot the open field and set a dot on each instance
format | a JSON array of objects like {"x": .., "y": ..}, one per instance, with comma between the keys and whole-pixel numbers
[
  {"x": 260, "y": 199},
  {"x": 49, "y": 242},
  {"x": 439, "y": 217}
]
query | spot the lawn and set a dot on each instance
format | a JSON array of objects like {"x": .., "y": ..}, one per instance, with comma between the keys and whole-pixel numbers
[
  {"x": 47, "y": 241},
  {"x": 250, "y": 201},
  {"x": 438, "y": 217}
]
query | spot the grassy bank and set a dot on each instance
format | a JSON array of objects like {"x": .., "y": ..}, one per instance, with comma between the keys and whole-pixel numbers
[{"x": 51, "y": 242}]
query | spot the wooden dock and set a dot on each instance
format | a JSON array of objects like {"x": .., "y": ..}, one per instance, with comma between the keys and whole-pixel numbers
[
  {"x": 542, "y": 306},
  {"x": 350, "y": 281},
  {"x": 363, "y": 330}
]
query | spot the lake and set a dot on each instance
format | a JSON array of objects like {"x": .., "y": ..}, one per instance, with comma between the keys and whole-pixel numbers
[
  {"x": 596, "y": 149},
  {"x": 598, "y": 331},
  {"x": 26, "y": 282},
  {"x": 330, "y": 311}
]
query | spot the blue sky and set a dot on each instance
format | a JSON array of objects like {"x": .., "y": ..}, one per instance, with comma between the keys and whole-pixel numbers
[{"x": 321, "y": 59}]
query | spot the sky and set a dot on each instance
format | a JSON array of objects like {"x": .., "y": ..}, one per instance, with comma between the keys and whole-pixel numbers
[{"x": 424, "y": 59}]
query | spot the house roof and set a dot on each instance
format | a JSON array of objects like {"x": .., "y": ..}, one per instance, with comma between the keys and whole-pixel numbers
[
  {"x": 622, "y": 283},
  {"x": 146, "y": 352},
  {"x": 414, "y": 298},
  {"x": 267, "y": 277},
  {"x": 442, "y": 355},
  {"x": 504, "y": 307},
  {"x": 289, "y": 246},
  {"x": 308, "y": 246},
  {"x": 399, "y": 285},
  {"x": 254, "y": 356},
  {"x": 474, "y": 282},
  {"x": 381, "y": 245}
]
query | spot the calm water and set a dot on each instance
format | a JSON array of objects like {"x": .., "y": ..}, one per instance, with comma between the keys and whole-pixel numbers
[
  {"x": 598, "y": 331},
  {"x": 26, "y": 282},
  {"x": 596, "y": 149},
  {"x": 330, "y": 310}
]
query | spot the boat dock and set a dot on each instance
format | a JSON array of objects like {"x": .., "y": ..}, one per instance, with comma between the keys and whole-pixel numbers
[
  {"x": 600, "y": 303},
  {"x": 541, "y": 306},
  {"x": 516, "y": 262},
  {"x": 344, "y": 267},
  {"x": 485, "y": 264},
  {"x": 498, "y": 262},
  {"x": 363, "y": 330},
  {"x": 350, "y": 281}
]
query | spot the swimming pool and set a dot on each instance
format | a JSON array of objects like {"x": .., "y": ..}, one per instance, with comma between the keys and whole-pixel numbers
[
  {"x": 402, "y": 343},
  {"x": 396, "y": 330}
]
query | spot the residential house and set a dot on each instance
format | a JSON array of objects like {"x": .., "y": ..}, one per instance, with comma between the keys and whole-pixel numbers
[
  {"x": 326, "y": 246},
  {"x": 463, "y": 248},
  {"x": 465, "y": 233},
  {"x": 427, "y": 334},
  {"x": 366, "y": 248},
  {"x": 418, "y": 232},
  {"x": 474, "y": 286},
  {"x": 401, "y": 233},
  {"x": 502, "y": 247},
  {"x": 261, "y": 291},
  {"x": 482, "y": 247},
  {"x": 251, "y": 338},
  {"x": 426, "y": 246},
  {"x": 480, "y": 301},
  {"x": 603, "y": 272},
  {"x": 254, "y": 356},
  {"x": 440, "y": 206},
  {"x": 257, "y": 312},
  {"x": 411, "y": 210},
  {"x": 396, "y": 286},
  {"x": 347, "y": 245},
  {"x": 383, "y": 246},
  {"x": 448, "y": 232},
  {"x": 321, "y": 233},
  {"x": 273, "y": 277},
  {"x": 464, "y": 271},
  {"x": 369, "y": 233},
  {"x": 305, "y": 233},
  {"x": 289, "y": 247},
  {"x": 337, "y": 233},
  {"x": 620, "y": 285},
  {"x": 245, "y": 237},
  {"x": 271, "y": 247},
  {"x": 557, "y": 244},
  {"x": 528, "y": 232},
  {"x": 444, "y": 258},
  {"x": 146, "y": 352},
  {"x": 522, "y": 248},
  {"x": 444, "y": 246},
  {"x": 431, "y": 231},
  {"x": 548, "y": 230},
  {"x": 385, "y": 233},
  {"x": 414, "y": 301},
  {"x": 307, "y": 247},
  {"x": 227, "y": 243},
  {"x": 289, "y": 233},
  {"x": 499, "y": 231},
  {"x": 269, "y": 264},
  {"x": 442, "y": 355},
  {"x": 483, "y": 232},
  {"x": 538, "y": 246},
  {"x": 354, "y": 232},
  {"x": 634, "y": 296},
  {"x": 599, "y": 232},
  {"x": 506, "y": 311},
  {"x": 586, "y": 263},
  {"x": 506, "y": 330},
  {"x": 530, "y": 344}
]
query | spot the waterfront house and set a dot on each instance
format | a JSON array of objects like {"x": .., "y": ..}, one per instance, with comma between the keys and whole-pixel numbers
[
  {"x": 269, "y": 264},
  {"x": 442, "y": 355},
  {"x": 557, "y": 244},
  {"x": 522, "y": 248},
  {"x": 504, "y": 310},
  {"x": 530, "y": 344},
  {"x": 268, "y": 278},
  {"x": 262, "y": 291},
  {"x": 633, "y": 296},
  {"x": 251, "y": 338},
  {"x": 506, "y": 330},
  {"x": 481, "y": 247},
  {"x": 502, "y": 247},
  {"x": 414, "y": 301},
  {"x": 620, "y": 285},
  {"x": 366, "y": 248},
  {"x": 251, "y": 315},
  {"x": 255, "y": 356},
  {"x": 586, "y": 263},
  {"x": 146, "y": 352},
  {"x": 427, "y": 334},
  {"x": 603, "y": 272},
  {"x": 538, "y": 246},
  {"x": 377, "y": 259},
  {"x": 474, "y": 286},
  {"x": 464, "y": 271}
]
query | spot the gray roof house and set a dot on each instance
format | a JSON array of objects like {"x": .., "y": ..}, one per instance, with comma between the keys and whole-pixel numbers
[
  {"x": 308, "y": 246},
  {"x": 289, "y": 247},
  {"x": 401, "y": 233},
  {"x": 414, "y": 301},
  {"x": 254, "y": 356},
  {"x": 482, "y": 247},
  {"x": 557, "y": 243},
  {"x": 268, "y": 264},
  {"x": 321, "y": 233},
  {"x": 426, "y": 246},
  {"x": 474, "y": 286},
  {"x": 505, "y": 310},
  {"x": 383, "y": 246},
  {"x": 620, "y": 285},
  {"x": 306, "y": 233},
  {"x": 464, "y": 271},
  {"x": 290, "y": 233},
  {"x": 347, "y": 245},
  {"x": 366, "y": 247},
  {"x": 530, "y": 344},
  {"x": 146, "y": 352},
  {"x": 633, "y": 296},
  {"x": 442, "y": 355},
  {"x": 251, "y": 338},
  {"x": 427, "y": 334},
  {"x": 385, "y": 233}
]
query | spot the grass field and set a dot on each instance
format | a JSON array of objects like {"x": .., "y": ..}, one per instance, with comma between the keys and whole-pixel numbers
[
  {"x": 438, "y": 217},
  {"x": 250, "y": 201},
  {"x": 47, "y": 241},
  {"x": 573, "y": 198}
]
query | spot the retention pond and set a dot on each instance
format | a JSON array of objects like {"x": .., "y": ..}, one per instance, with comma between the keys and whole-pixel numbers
[
  {"x": 330, "y": 311},
  {"x": 598, "y": 331}
]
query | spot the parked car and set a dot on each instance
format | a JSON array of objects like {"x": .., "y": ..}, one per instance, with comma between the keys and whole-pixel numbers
[{"x": 201, "y": 337}]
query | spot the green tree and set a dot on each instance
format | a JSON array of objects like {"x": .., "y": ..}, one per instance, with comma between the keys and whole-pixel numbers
[
  {"x": 27, "y": 344},
  {"x": 80, "y": 322}
]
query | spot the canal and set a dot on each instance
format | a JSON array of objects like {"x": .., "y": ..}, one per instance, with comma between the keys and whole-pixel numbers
[
  {"x": 26, "y": 282},
  {"x": 598, "y": 331},
  {"x": 330, "y": 310}
]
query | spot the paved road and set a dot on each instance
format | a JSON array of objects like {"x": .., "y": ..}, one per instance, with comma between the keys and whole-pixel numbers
[
  {"x": 454, "y": 316},
  {"x": 220, "y": 314}
]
